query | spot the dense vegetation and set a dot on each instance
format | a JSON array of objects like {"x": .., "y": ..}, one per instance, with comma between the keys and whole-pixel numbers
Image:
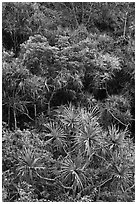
[{"x": 68, "y": 101}]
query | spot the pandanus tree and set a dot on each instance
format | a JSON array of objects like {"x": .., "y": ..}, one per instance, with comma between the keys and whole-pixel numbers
[
  {"x": 31, "y": 165},
  {"x": 69, "y": 117},
  {"x": 73, "y": 174},
  {"x": 14, "y": 75},
  {"x": 89, "y": 133},
  {"x": 55, "y": 136},
  {"x": 36, "y": 89}
]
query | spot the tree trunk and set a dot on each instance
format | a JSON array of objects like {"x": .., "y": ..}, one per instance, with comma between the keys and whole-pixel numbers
[
  {"x": 35, "y": 113},
  {"x": 125, "y": 24},
  {"x": 15, "y": 117},
  {"x": 9, "y": 116}
]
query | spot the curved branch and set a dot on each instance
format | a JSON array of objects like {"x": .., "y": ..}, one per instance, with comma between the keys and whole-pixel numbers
[
  {"x": 117, "y": 118},
  {"x": 24, "y": 113},
  {"x": 103, "y": 182},
  {"x": 66, "y": 187},
  {"x": 47, "y": 179},
  {"x": 129, "y": 188}
]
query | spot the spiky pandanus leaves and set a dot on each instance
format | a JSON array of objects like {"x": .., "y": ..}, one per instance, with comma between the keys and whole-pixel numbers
[
  {"x": 73, "y": 174},
  {"x": 88, "y": 114},
  {"x": 55, "y": 136},
  {"x": 121, "y": 159},
  {"x": 33, "y": 166},
  {"x": 69, "y": 117},
  {"x": 121, "y": 172},
  {"x": 89, "y": 133},
  {"x": 27, "y": 163},
  {"x": 116, "y": 139}
]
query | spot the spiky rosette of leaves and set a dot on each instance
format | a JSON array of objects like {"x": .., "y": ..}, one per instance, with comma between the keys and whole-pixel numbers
[
  {"x": 28, "y": 161},
  {"x": 73, "y": 174},
  {"x": 117, "y": 141},
  {"x": 89, "y": 133},
  {"x": 116, "y": 138},
  {"x": 69, "y": 117},
  {"x": 121, "y": 172},
  {"x": 55, "y": 135}
]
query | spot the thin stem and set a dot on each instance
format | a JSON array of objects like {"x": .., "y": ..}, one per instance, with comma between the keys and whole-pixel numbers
[
  {"x": 65, "y": 150},
  {"x": 101, "y": 158},
  {"x": 98, "y": 196},
  {"x": 103, "y": 182},
  {"x": 25, "y": 114},
  {"x": 50, "y": 100},
  {"x": 35, "y": 112},
  {"x": 9, "y": 116},
  {"x": 47, "y": 179},
  {"x": 122, "y": 188},
  {"x": 124, "y": 32},
  {"x": 117, "y": 118},
  {"x": 66, "y": 187},
  {"x": 129, "y": 188},
  {"x": 15, "y": 119}
]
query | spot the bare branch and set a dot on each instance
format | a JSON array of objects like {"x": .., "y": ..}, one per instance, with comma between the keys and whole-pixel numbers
[
  {"x": 125, "y": 24},
  {"x": 47, "y": 179},
  {"x": 117, "y": 118}
]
